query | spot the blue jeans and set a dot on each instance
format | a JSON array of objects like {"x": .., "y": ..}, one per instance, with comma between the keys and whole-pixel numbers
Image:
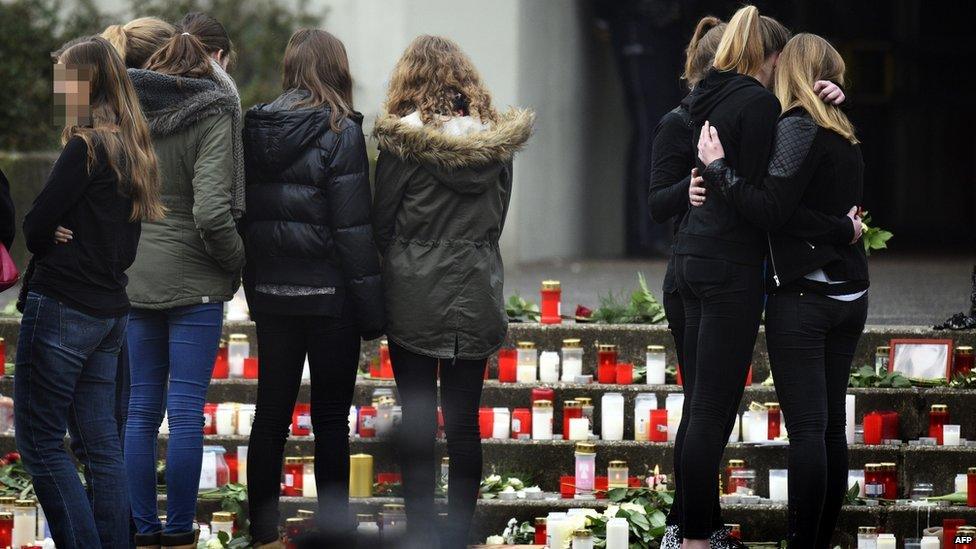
[
  {"x": 65, "y": 380},
  {"x": 174, "y": 348}
]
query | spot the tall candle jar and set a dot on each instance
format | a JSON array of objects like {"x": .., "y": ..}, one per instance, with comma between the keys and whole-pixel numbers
[
  {"x": 643, "y": 404},
  {"x": 612, "y": 416},
  {"x": 542, "y": 420},
  {"x": 733, "y": 466},
  {"x": 242, "y": 465},
  {"x": 674, "y": 404},
  {"x": 571, "y": 410},
  {"x": 549, "y": 367},
  {"x": 585, "y": 468},
  {"x": 224, "y": 418},
  {"x": 367, "y": 422},
  {"x": 657, "y": 430},
  {"x": 873, "y": 481},
  {"x": 222, "y": 521},
  {"x": 758, "y": 426},
  {"x": 25, "y": 522},
  {"x": 966, "y": 536},
  {"x": 744, "y": 481},
  {"x": 656, "y": 363},
  {"x": 572, "y": 359},
  {"x": 886, "y": 541},
  {"x": 551, "y": 302},
  {"x": 367, "y": 529},
  {"x": 882, "y": 356},
  {"x": 301, "y": 420},
  {"x": 293, "y": 476},
  {"x": 6, "y": 528},
  {"x": 502, "y": 421},
  {"x": 930, "y": 542},
  {"x": 586, "y": 404},
  {"x": 583, "y": 539},
  {"x": 507, "y": 365},
  {"x": 360, "y": 476},
  {"x": 393, "y": 522},
  {"x": 849, "y": 405},
  {"x": 618, "y": 533},
  {"x": 542, "y": 393},
  {"x": 938, "y": 416},
  {"x": 6, "y": 415},
  {"x": 778, "y": 484},
  {"x": 309, "y": 488},
  {"x": 867, "y": 537},
  {"x": 237, "y": 350},
  {"x": 962, "y": 361},
  {"x": 606, "y": 363},
  {"x": 618, "y": 474},
  {"x": 384, "y": 416},
  {"x": 245, "y": 417},
  {"x": 528, "y": 362},
  {"x": 773, "y": 419},
  {"x": 521, "y": 423},
  {"x": 539, "y": 536}
]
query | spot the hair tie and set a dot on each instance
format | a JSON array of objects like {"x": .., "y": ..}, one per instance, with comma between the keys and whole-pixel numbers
[{"x": 186, "y": 34}]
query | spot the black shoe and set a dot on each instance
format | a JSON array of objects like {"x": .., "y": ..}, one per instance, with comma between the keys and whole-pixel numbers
[
  {"x": 147, "y": 540},
  {"x": 723, "y": 539},
  {"x": 672, "y": 537}
]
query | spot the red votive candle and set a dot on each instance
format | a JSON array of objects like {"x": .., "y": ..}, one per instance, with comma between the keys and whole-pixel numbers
[
  {"x": 221, "y": 367},
  {"x": 209, "y": 420},
  {"x": 543, "y": 393},
  {"x": 251, "y": 367},
  {"x": 890, "y": 426},
  {"x": 521, "y": 423},
  {"x": 231, "y": 460},
  {"x": 773, "y": 419},
  {"x": 386, "y": 365},
  {"x": 749, "y": 376},
  {"x": 949, "y": 527},
  {"x": 606, "y": 359},
  {"x": 551, "y": 307},
  {"x": 889, "y": 477},
  {"x": 540, "y": 531},
  {"x": 367, "y": 422},
  {"x": 507, "y": 361},
  {"x": 938, "y": 416},
  {"x": 293, "y": 476},
  {"x": 600, "y": 486},
  {"x": 872, "y": 428},
  {"x": 6, "y": 529},
  {"x": 962, "y": 361},
  {"x": 971, "y": 487},
  {"x": 567, "y": 486},
  {"x": 677, "y": 375},
  {"x": 486, "y": 421},
  {"x": 301, "y": 420},
  {"x": 625, "y": 373},
  {"x": 658, "y": 431},
  {"x": 571, "y": 410}
]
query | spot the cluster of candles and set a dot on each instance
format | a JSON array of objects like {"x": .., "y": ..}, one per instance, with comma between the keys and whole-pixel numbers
[
  {"x": 585, "y": 484},
  {"x": 962, "y": 359},
  {"x": 381, "y": 418},
  {"x": 525, "y": 364},
  {"x": 739, "y": 482},
  {"x": 234, "y": 360},
  {"x": 22, "y": 523},
  {"x": 883, "y": 427},
  {"x": 390, "y": 527},
  {"x": 955, "y": 535},
  {"x": 556, "y": 530}
]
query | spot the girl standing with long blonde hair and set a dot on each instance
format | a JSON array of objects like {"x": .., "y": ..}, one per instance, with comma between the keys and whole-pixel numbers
[
  {"x": 83, "y": 230},
  {"x": 443, "y": 184}
]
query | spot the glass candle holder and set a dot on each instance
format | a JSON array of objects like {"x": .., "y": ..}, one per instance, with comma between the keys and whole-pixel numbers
[
  {"x": 238, "y": 349},
  {"x": 486, "y": 422},
  {"x": 386, "y": 364},
  {"x": 929, "y": 542},
  {"x": 251, "y": 367},
  {"x": 889, "y": 477},
  {"x": 572, "y": 359},
  {"x": 551, "y": 310},
  {"x": 539, "y": 535},
  {"x": 309, "y": 488},
  {"x": 872, "y": 428},
  {"x": 367, "y": 422},
  {"x": 521, "y": 423},
  {"x": 502, "y": 421},
  {"x": 224, "y": 419},
  {"x": 618, "y": 532},
  {"x": 293, "y": 476},
  {"x": 938, "y": 416},
  {"x": 625, "y": 373},
  {"x": 242, "y": 464},
  {"x": 507, "y": 365},
  {"x": 849, "y": 404},
  {"x": 882, "y": 355},
  {"x": 674, "y": 404},
  {"x": 612, "y": 416},
  {"x": 222, "y": 521},
  {"x": 549, "y": 367},
  {"x": 221, "y": 367},
  {"x": 643, "y": 404},
  {"x": 528, "y": 362},
  {"x": 656, "y": 362},
  {"x": 210, "y": 418},
  {"x": 606, "y": 363},
  {"x": 385, "y": 407},
  {"x": 360, "y": 476},
  {"x": 393, "y": 523},
  {"x": 301, "y": 420},
  {"x": 579, "y": 429},
  {"x": 543, "y": 393},
  {"x": 867, "y": 537},
  {"x": 778, "y": 484},
  {"x": 886, "y": 541},
  {"x": 873, "y": 481},
  {"x": 582, "y": 539},
  {"x": 585, "y": 468},
  {"x": 618, "y": 474},
  {"x": 744, "y": 481},
  {"x": 856, "y": 476},
  {"x": 586, "y": 404},
  {"x": 733, "y": 466},
  {"x": 962, "y": 360},
  {"x": 25, "y": 522},
  {"x": 245, "y": 417},
  {"x": 736, "y": 429},
  {"x": 773, "y": 420},
  {"x": 658, "y": 429},
  {"x": 542, "y": 420},
  {"x": 758, "y": 426},
  {"x": 571, "y": 410},
  {"x": 6, "y": 528},
  {"x": 950, "y": 435}
]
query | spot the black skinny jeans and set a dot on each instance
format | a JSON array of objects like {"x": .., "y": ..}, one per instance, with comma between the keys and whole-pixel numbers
[
  {"x": 333, "y": 347},
  {"x": 811, "y": 340},
  {"x": 461, "y": 384},
  {"x": 723, "y": 305}
]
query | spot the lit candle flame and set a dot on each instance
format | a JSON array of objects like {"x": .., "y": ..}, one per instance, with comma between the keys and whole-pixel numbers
[{"x": 657, "y": 470}]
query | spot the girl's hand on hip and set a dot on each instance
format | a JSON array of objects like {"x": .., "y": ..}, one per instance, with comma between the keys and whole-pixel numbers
[
  {"x": 709, "y": 146},
  {"x": 696, "y": 190},
  {"x": 62, "y": 235},
  {"x": 855, "y": 216}
]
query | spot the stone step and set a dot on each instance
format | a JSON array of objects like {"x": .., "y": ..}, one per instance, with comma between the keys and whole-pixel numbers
[{"x": 759, "y": 522}]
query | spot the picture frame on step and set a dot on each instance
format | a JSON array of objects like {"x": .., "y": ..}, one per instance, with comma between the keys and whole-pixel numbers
[{"x": 923, "y": 360}]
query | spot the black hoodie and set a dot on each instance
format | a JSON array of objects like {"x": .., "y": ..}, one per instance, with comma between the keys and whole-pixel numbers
[
  {"x": 307, "y": 234},
  {"x": 745, "y": 114}
]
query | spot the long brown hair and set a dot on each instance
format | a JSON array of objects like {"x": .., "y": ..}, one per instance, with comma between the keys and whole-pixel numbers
[
  {"x": 748, "y": 40},
  {"x": 806, "y": 59},
  {"x": 701, "y": 49},
  {"x": 211, "y": 33},
  {"x": 432, "y": 76},
  {"x": 183, "y": 55},
  {"x": 117, "y": 123},
  {"x": 138, "y": 39},
  {"x": 316, "y": 61}
]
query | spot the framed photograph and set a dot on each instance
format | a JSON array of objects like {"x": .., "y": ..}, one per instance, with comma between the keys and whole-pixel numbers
[{"x": 921, "y": 359}]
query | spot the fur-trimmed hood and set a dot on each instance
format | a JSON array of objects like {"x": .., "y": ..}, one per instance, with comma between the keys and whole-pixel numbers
[{"x": 431, "y": 146}]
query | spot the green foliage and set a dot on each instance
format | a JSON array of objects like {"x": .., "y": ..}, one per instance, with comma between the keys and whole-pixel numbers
[
  {"x": 16, "y": 481},
  {"x": 866, "y": 377},
  {"x": 31, "y": 29},
  {"x": 874, "y": 238},
  {"x": 964, "y": 381},
  {"x": 643, "y": 307},
  {"x": 233, "y": 498},
  {"x": 520, "y": 310}
]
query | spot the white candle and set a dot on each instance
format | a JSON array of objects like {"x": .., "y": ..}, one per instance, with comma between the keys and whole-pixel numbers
[
  {"x": 25, "y": 526},
  {"x": 886, "y": 541},
  {"x": 238, "y": 349},
  {"x": 306, "y": 370},
  {"x": 962, "y": 483},
  {"x": 734, "y": 435},
  {"x": 556, "y": 531},
  {"x": 549, "y": 367},
  {"x": 502, "y": 423},
  {"x": 930, "y": 542},
  {"x": 353, "y": 420},
  {"x": 612, "y": 416},
  {"x": 643, "y": 404},
  {"x": 856, "y": 475},
  {"x": 655, "y": 364},
  {"x": 525, "y": 373},
  {"x": 849, "y": 415},
  {"x": 242, "y": 465},
  {"x": 579, "y": 428},
  {"x": 225, "y": 418},
  {"x": 309, "y": 488},
  {"x": 245, "y": 417},
  {"x": 950, "y": 435},
  {"x": 674, "y": 404},
  {"x": 758, "y": 427},
  {"x": 542, "y": 421},
  {"x": 618, "y": 534},
  {"x": 778, "y": 484},
  {"x": 572, "y": 360}
]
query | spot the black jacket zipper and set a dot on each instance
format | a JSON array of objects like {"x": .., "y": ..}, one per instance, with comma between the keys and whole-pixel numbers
[{"x": 772, "y": 260}]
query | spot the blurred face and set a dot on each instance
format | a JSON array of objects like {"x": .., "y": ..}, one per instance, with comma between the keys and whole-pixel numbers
[{"x": 72, "y": 91}]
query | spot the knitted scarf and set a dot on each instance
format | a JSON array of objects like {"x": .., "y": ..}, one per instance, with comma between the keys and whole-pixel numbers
[{"x": 173, "y": 103}]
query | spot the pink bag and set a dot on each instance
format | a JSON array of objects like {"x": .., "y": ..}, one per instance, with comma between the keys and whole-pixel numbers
[{"x": 9, "y": 275}]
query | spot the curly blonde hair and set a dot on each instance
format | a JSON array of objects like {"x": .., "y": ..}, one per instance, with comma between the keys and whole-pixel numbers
[{"x": 433, "y": 76}]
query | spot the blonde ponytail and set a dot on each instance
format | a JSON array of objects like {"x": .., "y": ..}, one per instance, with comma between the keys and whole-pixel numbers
[
  {"x": 115, "y": 34},
  {"x": 139, "y": 39},
  {"x": 701, "y": 49},
  {"x": 748, "y": 40}
]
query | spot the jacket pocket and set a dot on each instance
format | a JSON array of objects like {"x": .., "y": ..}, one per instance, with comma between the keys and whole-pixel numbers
[{"x": 703, "y": 274}]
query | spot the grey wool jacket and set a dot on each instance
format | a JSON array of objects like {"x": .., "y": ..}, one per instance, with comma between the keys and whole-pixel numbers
[
  {"x": 194, "y": 254},
  {"x": 439, "y": 208}
]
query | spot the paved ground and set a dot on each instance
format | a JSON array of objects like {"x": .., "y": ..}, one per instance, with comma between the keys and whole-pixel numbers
[{"x": 905, "y": 289}]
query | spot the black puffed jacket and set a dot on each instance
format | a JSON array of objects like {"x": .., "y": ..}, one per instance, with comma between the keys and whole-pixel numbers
[{"x": 307, "y": 234}]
